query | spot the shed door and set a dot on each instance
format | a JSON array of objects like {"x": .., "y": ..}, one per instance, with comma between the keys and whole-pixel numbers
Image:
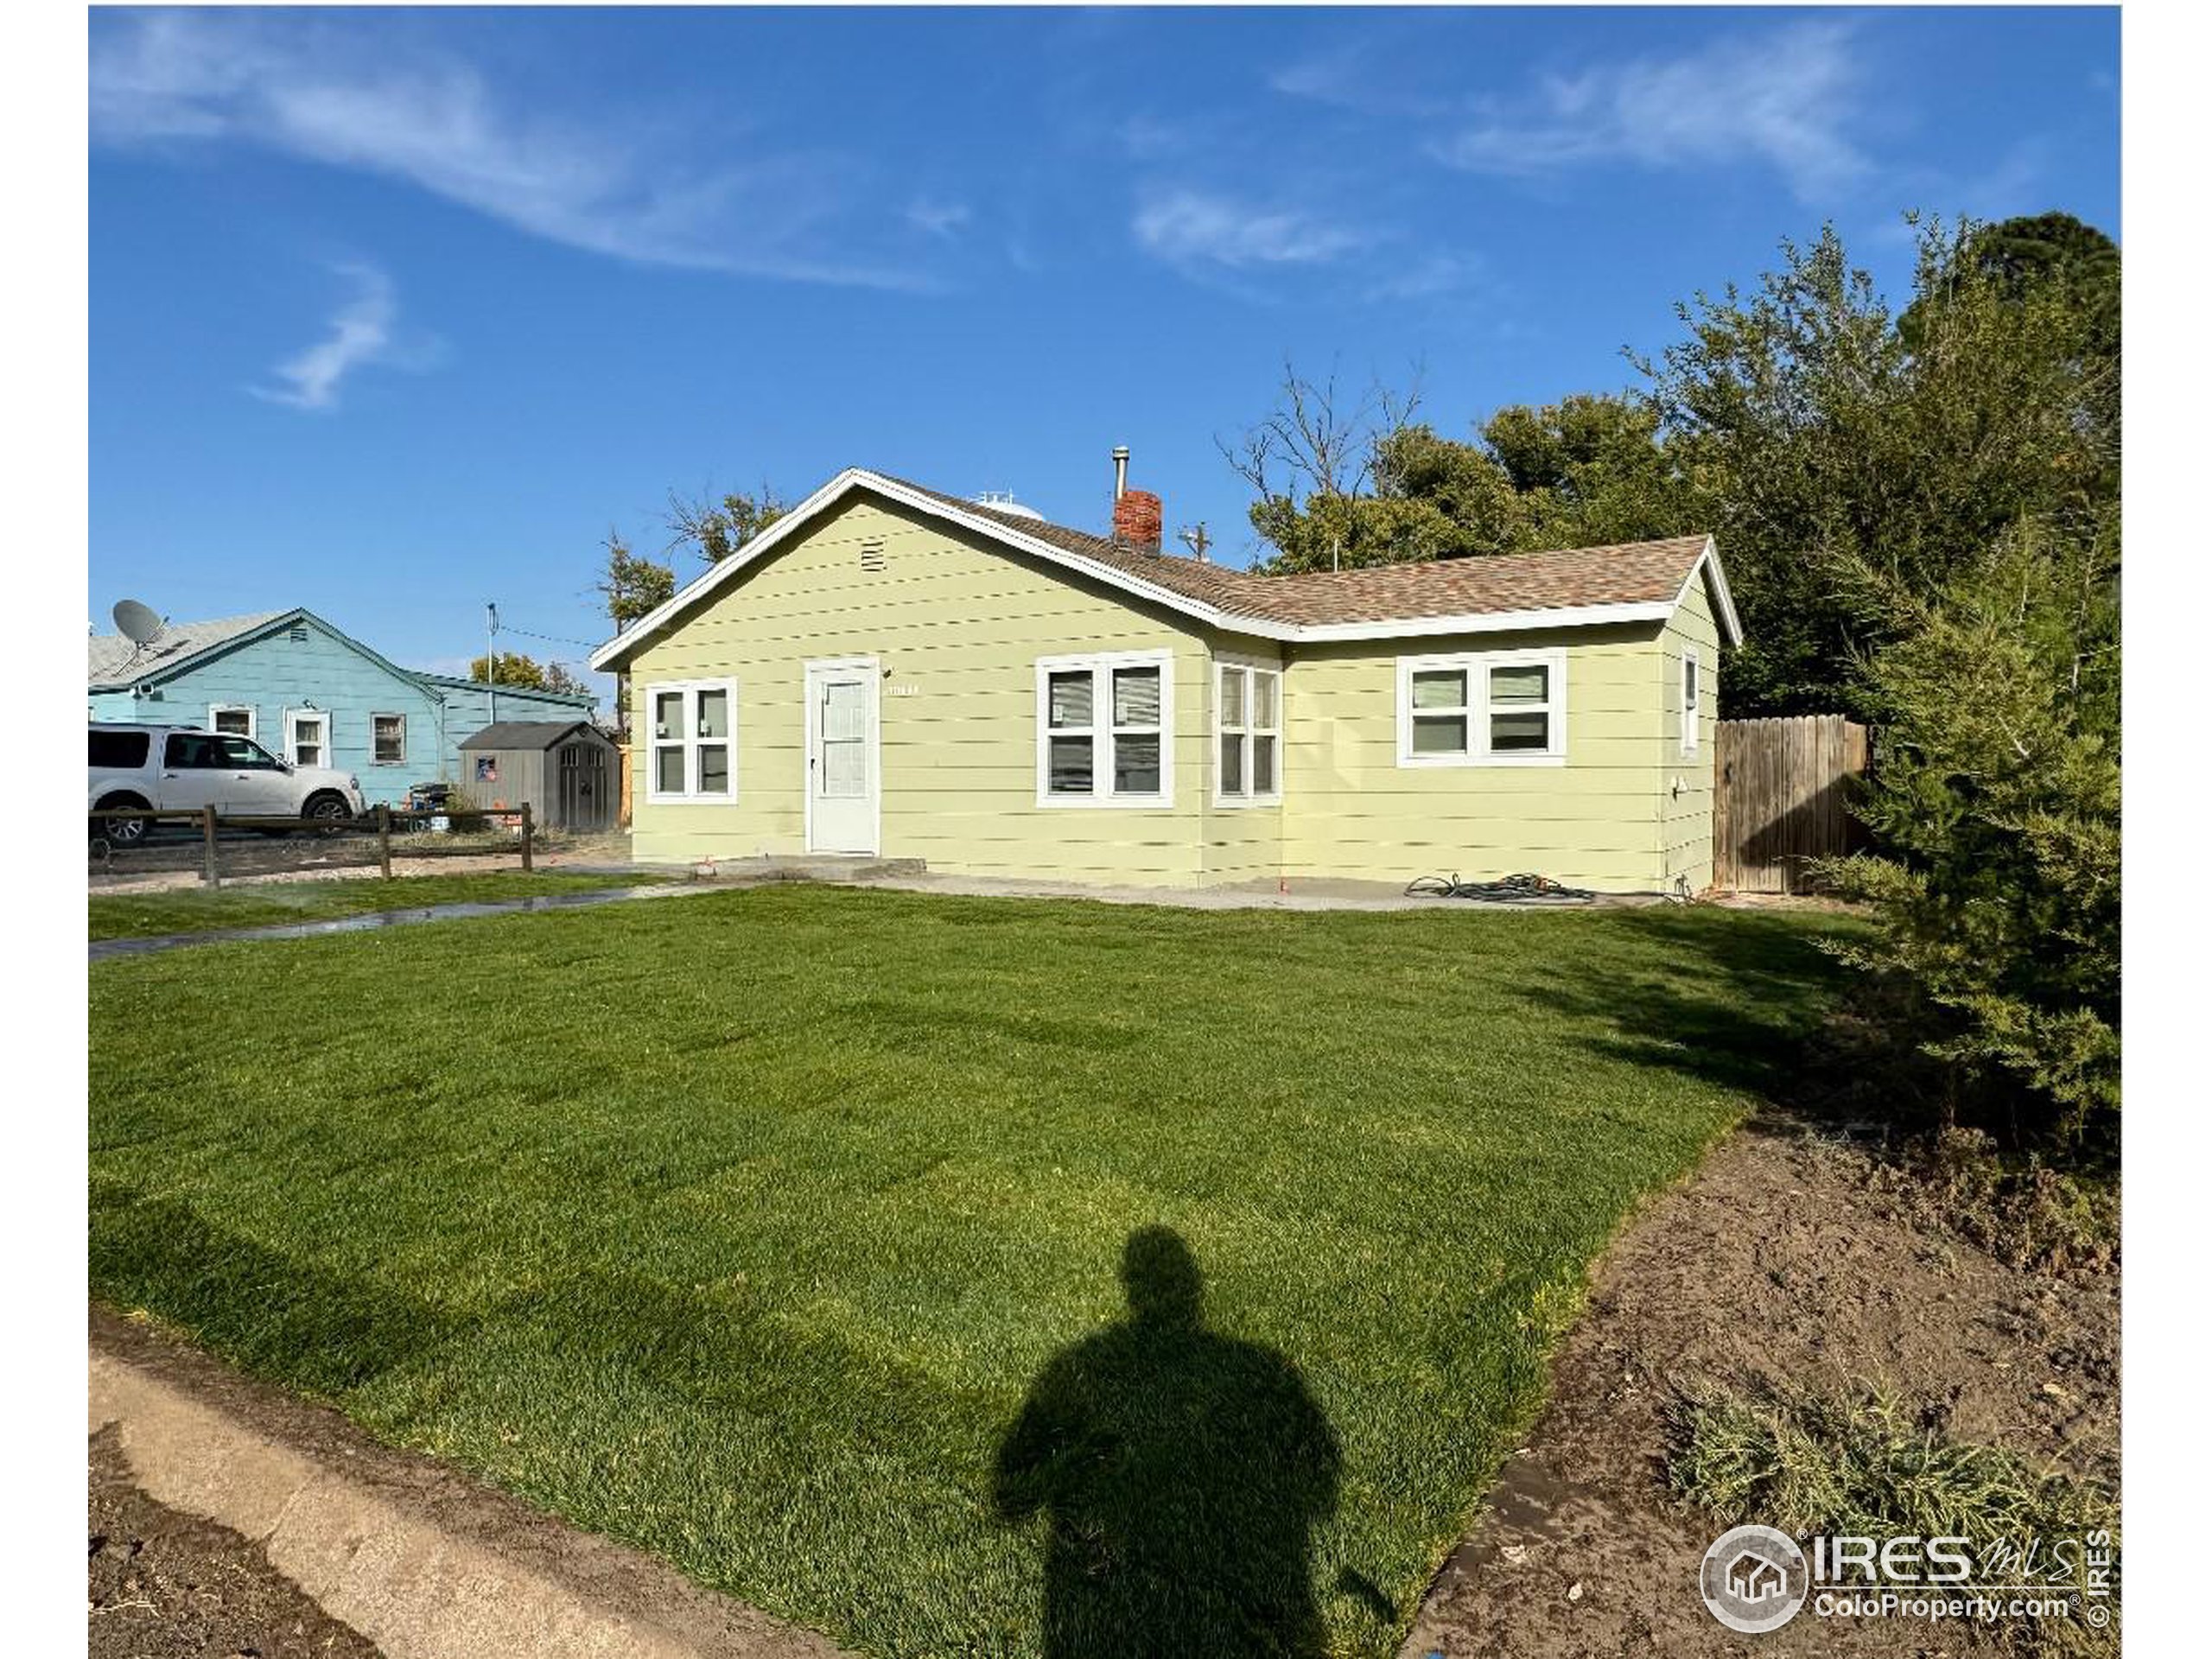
[
  {"x": 841, "y": 785},
  {"x": 584, "y": 799}
]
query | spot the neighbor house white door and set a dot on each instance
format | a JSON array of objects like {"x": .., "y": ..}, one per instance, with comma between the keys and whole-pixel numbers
[{"x": 842, "y": 782}]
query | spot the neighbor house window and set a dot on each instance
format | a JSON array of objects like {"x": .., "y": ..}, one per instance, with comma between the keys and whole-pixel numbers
[
  {"x": 1103, "y": 725},
  {"x": 1482, "y": 708},
  {"x": 692, "y": 752},
  {"x": 1247, "y": 734},
  {"x": 307, "y": 736},
  {"x": 388, "y": 739},
  {"x": 236, "y": 719},
  {"x": 1693, "y": 692}
]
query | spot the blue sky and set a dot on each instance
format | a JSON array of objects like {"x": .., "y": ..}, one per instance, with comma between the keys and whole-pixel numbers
[{"x": 392, "y": 314}]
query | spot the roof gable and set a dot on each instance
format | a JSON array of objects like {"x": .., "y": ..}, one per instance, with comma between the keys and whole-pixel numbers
[{"x": 1573, "y": 588}]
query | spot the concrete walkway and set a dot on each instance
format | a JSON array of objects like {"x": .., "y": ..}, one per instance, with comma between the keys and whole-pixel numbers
[{"x": 415, "y": 1556}]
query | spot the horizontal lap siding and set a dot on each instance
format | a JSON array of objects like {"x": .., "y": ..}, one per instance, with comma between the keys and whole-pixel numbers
[
  {"x": 1357, "y": 812},
  {"x": 1686, "y": 819},
  {"x": 957, "y": 628},
  {"x": 276, "y": 673}
]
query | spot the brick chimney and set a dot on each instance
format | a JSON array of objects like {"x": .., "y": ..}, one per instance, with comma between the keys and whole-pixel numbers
[
  {"x": 1137, "y": 515},
  {"x": 1137, "y": 519}
]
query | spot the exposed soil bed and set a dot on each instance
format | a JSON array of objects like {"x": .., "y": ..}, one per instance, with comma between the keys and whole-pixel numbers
[
  {"x": 1775, "y": 1265},
  {"x": 162, "y": 1584}
]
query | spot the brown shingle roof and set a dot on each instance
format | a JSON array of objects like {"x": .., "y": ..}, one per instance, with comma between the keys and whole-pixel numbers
[
  {"x": 1371, "y": 600},
  {"x": 1626, "y": 573}
]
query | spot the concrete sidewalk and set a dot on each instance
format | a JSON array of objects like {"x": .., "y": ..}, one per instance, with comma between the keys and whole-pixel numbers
[{"x": 422, "y": 1561}]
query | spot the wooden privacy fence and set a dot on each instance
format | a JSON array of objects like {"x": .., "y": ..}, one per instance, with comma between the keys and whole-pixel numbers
[{"x": 1781, "y": 794}]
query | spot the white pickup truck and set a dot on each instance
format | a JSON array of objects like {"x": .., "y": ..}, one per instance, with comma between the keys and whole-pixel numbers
[{"x": 183, "y": 768}]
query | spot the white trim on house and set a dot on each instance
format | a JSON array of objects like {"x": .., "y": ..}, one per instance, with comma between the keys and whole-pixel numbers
[
  {"x": 1708, "y": 565},
  {"x": 872, "y": 669},
  {"x": 1102, "y": 729},
  {"x": 252, "y": 713},
  {"x": 690, "y": 743},
  {"x": 1251, "y": 668},
  {"x": 609, "y": 654},
  {"x": 1476, "y": 709},
  {"x": 1689, "y": 697},
  {"x": 329, "y": 733}
]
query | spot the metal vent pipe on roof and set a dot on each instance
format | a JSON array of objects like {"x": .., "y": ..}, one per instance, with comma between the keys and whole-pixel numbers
[{"x": 1121, "y": 470}]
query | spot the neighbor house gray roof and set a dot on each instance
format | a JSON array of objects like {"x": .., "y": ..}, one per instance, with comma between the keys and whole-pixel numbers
[
  {"x": 526, "y": 734},
  {"x": 112, "y": 660}
]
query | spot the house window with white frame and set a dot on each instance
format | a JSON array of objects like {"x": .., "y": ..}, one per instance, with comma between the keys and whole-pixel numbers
[
  {"x": 692, "y": 749},
  {"x": 233, "y": 719},
  {"x": 1482, "y": 708},
  {"x": 1248, "y": 734},
  {"x": 388, "y": 740},
  {"x": 1103, "y": 730},
  {"x": 1692, "y": 696}
]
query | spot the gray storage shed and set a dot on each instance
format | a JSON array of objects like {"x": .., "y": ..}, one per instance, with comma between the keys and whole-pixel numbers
[{"x": 566, "y": 770}]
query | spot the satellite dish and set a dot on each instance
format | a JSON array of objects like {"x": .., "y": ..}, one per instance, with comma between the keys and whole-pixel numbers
[{"x": 137, "y": 622}]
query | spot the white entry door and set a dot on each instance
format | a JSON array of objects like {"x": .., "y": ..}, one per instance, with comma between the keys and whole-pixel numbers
[{"x": 842, "y": 782}]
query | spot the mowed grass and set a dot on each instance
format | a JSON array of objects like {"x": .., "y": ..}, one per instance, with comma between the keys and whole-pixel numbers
[
  {"x": 742, "y": 1228},
  {"x": 200, "y": 910}
]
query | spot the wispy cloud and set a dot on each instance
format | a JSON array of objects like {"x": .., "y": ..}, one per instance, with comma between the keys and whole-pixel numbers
[
  {"x": 315, "y": 91},
  {"x": 1789, "y": 99},
  {"x": 1198, "y": 228},
  {"x": 943, "y": 219},
  {"x": 360, "y": 331}
]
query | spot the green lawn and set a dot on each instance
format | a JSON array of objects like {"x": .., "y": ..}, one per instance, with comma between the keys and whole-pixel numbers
[
  {"x": 782, "y": 1232},
  {"x": 199, "y": 910}
]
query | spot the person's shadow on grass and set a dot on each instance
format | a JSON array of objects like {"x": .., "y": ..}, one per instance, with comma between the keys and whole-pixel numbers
[{"x": 1179, "y": 1472}]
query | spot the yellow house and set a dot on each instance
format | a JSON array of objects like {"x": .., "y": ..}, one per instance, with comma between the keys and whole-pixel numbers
[{"x": 894, "y": 672}]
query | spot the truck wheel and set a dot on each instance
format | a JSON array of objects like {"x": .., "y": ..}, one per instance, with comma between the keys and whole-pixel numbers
[
  {"x": 329, "y": 813},
  {"x": 126, "y": 832}
]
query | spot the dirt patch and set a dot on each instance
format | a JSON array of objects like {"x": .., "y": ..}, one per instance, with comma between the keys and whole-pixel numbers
[
  {"x": 1780, "y": 1264},
  {"x": 162, "y": 1583}
]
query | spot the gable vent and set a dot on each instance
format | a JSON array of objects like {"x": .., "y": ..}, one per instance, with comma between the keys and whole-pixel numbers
[
  {"x": 297, "y": 635},
  {"x": 872, "y": 553}
]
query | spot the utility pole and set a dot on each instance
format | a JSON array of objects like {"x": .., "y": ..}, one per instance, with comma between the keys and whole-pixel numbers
[
  {"x": 492, "y": 659},
  {"x": 1196, "y": 539}
]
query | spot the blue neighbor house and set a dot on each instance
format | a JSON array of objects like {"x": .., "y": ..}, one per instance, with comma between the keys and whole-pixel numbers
[{"x": 305, "y": 691}]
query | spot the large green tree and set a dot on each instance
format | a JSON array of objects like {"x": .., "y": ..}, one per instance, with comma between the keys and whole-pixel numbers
[
  {"x": 714, "y": 530},
  {"x": 1822, "y": 443},
  {"x": 1383, "y": 489},
  {"x": 1819, "y": 434},
  {"x": 1995, "y": 799},
  {"x": 513, "y": 668},
  {"x": 632, "y": 585}
]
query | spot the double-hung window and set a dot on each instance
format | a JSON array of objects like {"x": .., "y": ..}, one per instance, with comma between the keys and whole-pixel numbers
[
  {"x": 1248, "y": 734},
  {"x": 1103, "y": 727},
  {"x": 1693, "y": 699},
  {"x": 1482, "y": 708},
  {"x": 692, "y": 746},
  {"x": 388, "y": 740}
]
